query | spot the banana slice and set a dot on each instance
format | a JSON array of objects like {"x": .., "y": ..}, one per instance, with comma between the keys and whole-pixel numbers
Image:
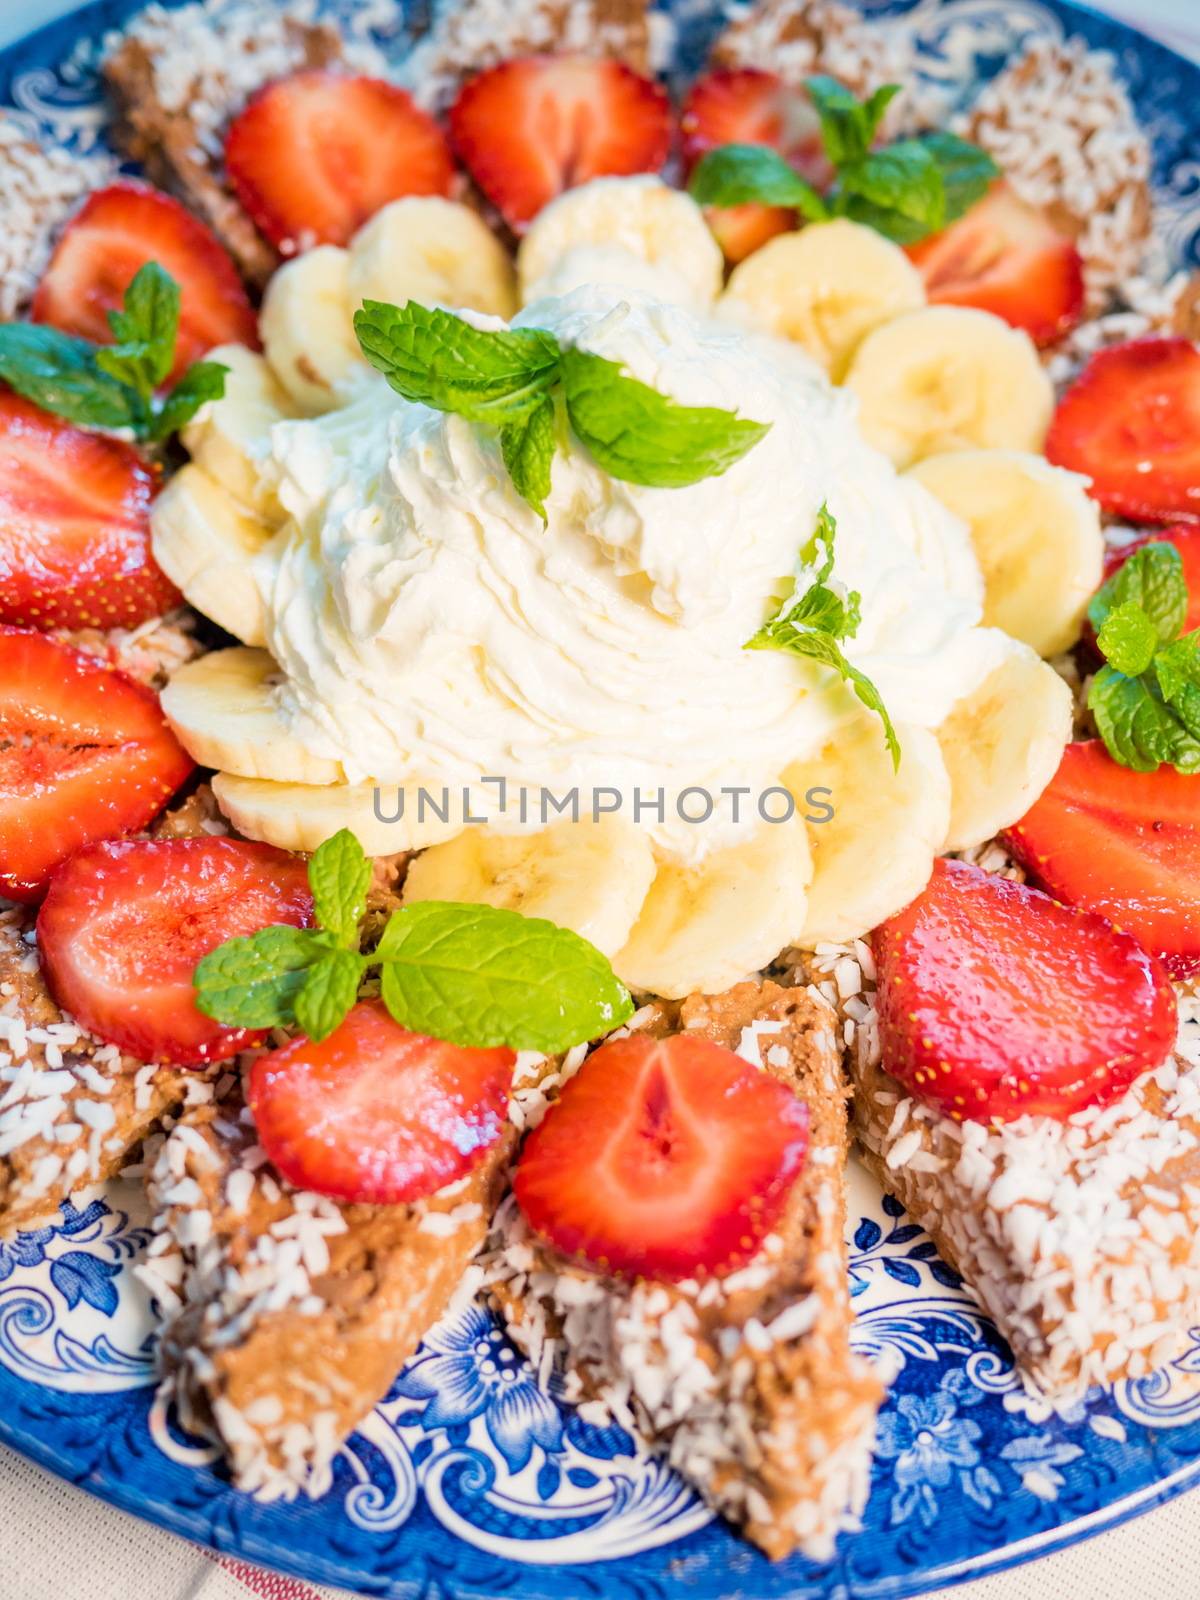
[
  {"x": 642, "y": 217},
  {"x": 591, "y": 877},
  {"x": 876, "y": 851},
  {"x": 301, "y": 816},
  {"x": 825, "y": 288},
  {"x": 222, "y": 708},
  {"x": 307, "y": 327},
  {"x": 205, "y": 541},
  {"x": 707, "y": 926},
  {"x": 226, "y": 436},
  {"x": 1002, "y": 744},
  {"x": 434, "y": 251},
  {"x": 950, "y": 378},
  {"x": 1037, "y": 538}
]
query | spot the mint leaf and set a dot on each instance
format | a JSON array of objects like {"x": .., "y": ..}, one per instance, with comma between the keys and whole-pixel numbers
[
  {"x": 475, "y": 975},
  {"x": 330, "y": 989},
  {"x": 1177, "y": 667},
  {"x": 145, "y": 330},
  {"x": 59, "y": 373},
  {"x": 1151, "y": 578},
  {"x": 848, "y": 125},
  {"x": 440, "y": 360},
  {"x": 743, "y": 174},
  {"x": 528, "y": 450},
  {"x": 1128, "y": 639},
  {"x": 253, "y": 982},
  {"x": 339, "y": 875},
  {"x": 1139, "y": 729},
  {"x": 967, "y": 171},
  {"x": 898, "y": 191},
  {"x": 640, "y": 436},
  {"x": 203, "y": 381}
]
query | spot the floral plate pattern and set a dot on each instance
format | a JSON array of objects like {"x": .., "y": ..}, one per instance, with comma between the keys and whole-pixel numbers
[{"x": 472, "y": 1481}]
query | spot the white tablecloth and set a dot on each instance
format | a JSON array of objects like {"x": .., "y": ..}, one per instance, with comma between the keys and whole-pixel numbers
[{"x": 57, "y": 1543}]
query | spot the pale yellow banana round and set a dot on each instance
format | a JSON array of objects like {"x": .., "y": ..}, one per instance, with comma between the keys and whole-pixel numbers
[
  {"x": 434, "y": 251},
  {"x": 1002, "y": 745},
  {"x": 301, "y": 816},
  {"x": 1037, "y": 538},
  {"x": 591, "y": 877},
  {"x": 877, "y": 850},
  {"x": 704, "y": 927},
  {"x": 222, "y": 708},
  {"x": 824, "y": 288},
  {"x": 205, "y": 540},
  {"x": 949, "y": 378},
  {"x": 229, "y": 437},
  {"x": 307, "y": 327}
]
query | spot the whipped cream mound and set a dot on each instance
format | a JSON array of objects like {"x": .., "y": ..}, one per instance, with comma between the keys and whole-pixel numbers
[{"x": 431, "y": 630}]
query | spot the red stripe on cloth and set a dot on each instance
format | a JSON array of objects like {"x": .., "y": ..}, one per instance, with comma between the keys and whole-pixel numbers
[{"x": 268, "y": 1585}]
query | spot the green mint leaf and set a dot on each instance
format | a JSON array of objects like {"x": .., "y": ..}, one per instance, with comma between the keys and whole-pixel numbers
[
  {"x": 145, "y": 330},
  {"x": 640, "y": 436},
  {"x": 903, "y": 182},
  {"x": 1139, "y": 729},
  {"x": 783, "y": 633},
  {"x": 440, "y": 360},
  {"x": 528, "y": 450},
  {"x": 59, "y": 373},
  {"x": 1177, "y": 667},
  {"x": 253, "y": 982},
  {"x": 339, "y": 875},
  {"x": 330, "y": 989},
  {"x": 1128, "y": 639},
  {"x": 967, "y": 171},
  {"x": 1151, "y": 578},
  {"x": 742, "y": 174},
  {"x": 848, "y": 125},
  {"x": 475, "y": 975},
  {"x": 203, "y": 381}
]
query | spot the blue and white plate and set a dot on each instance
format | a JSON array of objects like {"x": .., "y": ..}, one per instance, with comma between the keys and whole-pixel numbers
[{"x": 469, "y": 1480}]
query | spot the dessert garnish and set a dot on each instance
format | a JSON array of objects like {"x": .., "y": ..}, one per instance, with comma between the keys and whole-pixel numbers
[
  {"x": 1186, "y": 539},
  {"x": 995, "y": 1001},
  {"x": 663, "y": 1158}
]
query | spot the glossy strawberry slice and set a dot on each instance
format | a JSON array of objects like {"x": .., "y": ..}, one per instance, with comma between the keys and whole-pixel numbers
[
  {"x": 664, "y": 1158},
  {"x": 1124, "y": 843},
  {"x": 1131, "y": 423},
  {"x": 377, "y": 1114},
  {"x": 532, "y": 127},
  {"x": 126, "y": 920},
  {"x": 994, "y": 1000},
  {"x": 313, "y": 156},
  {"x": 1006, "y": 257},
  {"x": 85, "y": 753},
  {"x": 1186, "y": 539},
  {"x": 74, "y": 526},
  {"x": 117, "y": 231}
]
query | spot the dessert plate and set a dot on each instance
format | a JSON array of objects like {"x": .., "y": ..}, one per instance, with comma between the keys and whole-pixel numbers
[{"x": 470, "y": 1479}]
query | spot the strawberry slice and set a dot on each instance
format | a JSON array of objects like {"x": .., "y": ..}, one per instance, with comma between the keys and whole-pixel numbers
[
  {"x": 740, "y": 105},
  {"x": 1124, "y": 843},
  {"x": 125, "y": 921},
  {"x": 1186, "y": 539},
  {"x": 1131, "y": 423},
  {"x": 1006, "y": 257},
  {"x": 313, "y": 156},
  {"x": 118, "y": 230},
  {"x": 85, "y": 753},
  {"x": 665, "y": 1158},
  {"x": 995, "y": 1001},
  {"x": 377, "y": 1114},
  {"x": 74, "y": 526},
  {"x": 532, "y": 127}
]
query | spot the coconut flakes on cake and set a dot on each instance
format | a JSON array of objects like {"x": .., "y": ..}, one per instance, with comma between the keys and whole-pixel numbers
[{"x": 40, "y": 186}]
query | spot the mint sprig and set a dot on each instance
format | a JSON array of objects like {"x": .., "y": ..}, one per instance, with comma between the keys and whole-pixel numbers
[
  {"x": 817, "y": 618},
  {"x": 1146, "y": 697},
  {"x": 472, "y": 975},
  {"x": 114, "y": 386},
  {"x": 513, "y": 379}
]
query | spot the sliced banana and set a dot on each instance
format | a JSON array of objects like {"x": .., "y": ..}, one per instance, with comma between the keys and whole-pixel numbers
[
  {"x": 435, "y": 251},
  {"x": 825, "y": 288},
  {"x": 1002, "y": 744},
  {"x": 225, "y": 715},
  {"x": 950, "y": 378},
  {"x": 307, "y": 327},
  {"x": 591, "y": 877},
  {"x": 705, "y": 927},
  {"x": 227, "y": 437},
  {"x": 301, "y": 816},
  {"x": 641, "y": 217},
  {"x": 877, "y": 850},
  {"x": 204, "y": 541},
  {"x": 1037, "y": 538}
]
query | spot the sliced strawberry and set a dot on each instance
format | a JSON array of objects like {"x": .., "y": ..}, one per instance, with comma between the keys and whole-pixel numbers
[
  {"x": 1131, "y": 423},
  {"x": 377, "y": 1114},
  {"x": 1186, "y": 539},
  {"x": 117, "y": 231},
  {"x": 1123, "y": 843},
  {"x": 313, "y": 156},
  {"x": 530, "y": 128},
  {"x": 85, "y": 753},
  {"x": 74, "y": 526},
  {"x": 665, "y": 1158},
  {"x": 1006, "y": 257},
  {"x": 125, "y": 921},
  {"x": 995, "y": 1001}
]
